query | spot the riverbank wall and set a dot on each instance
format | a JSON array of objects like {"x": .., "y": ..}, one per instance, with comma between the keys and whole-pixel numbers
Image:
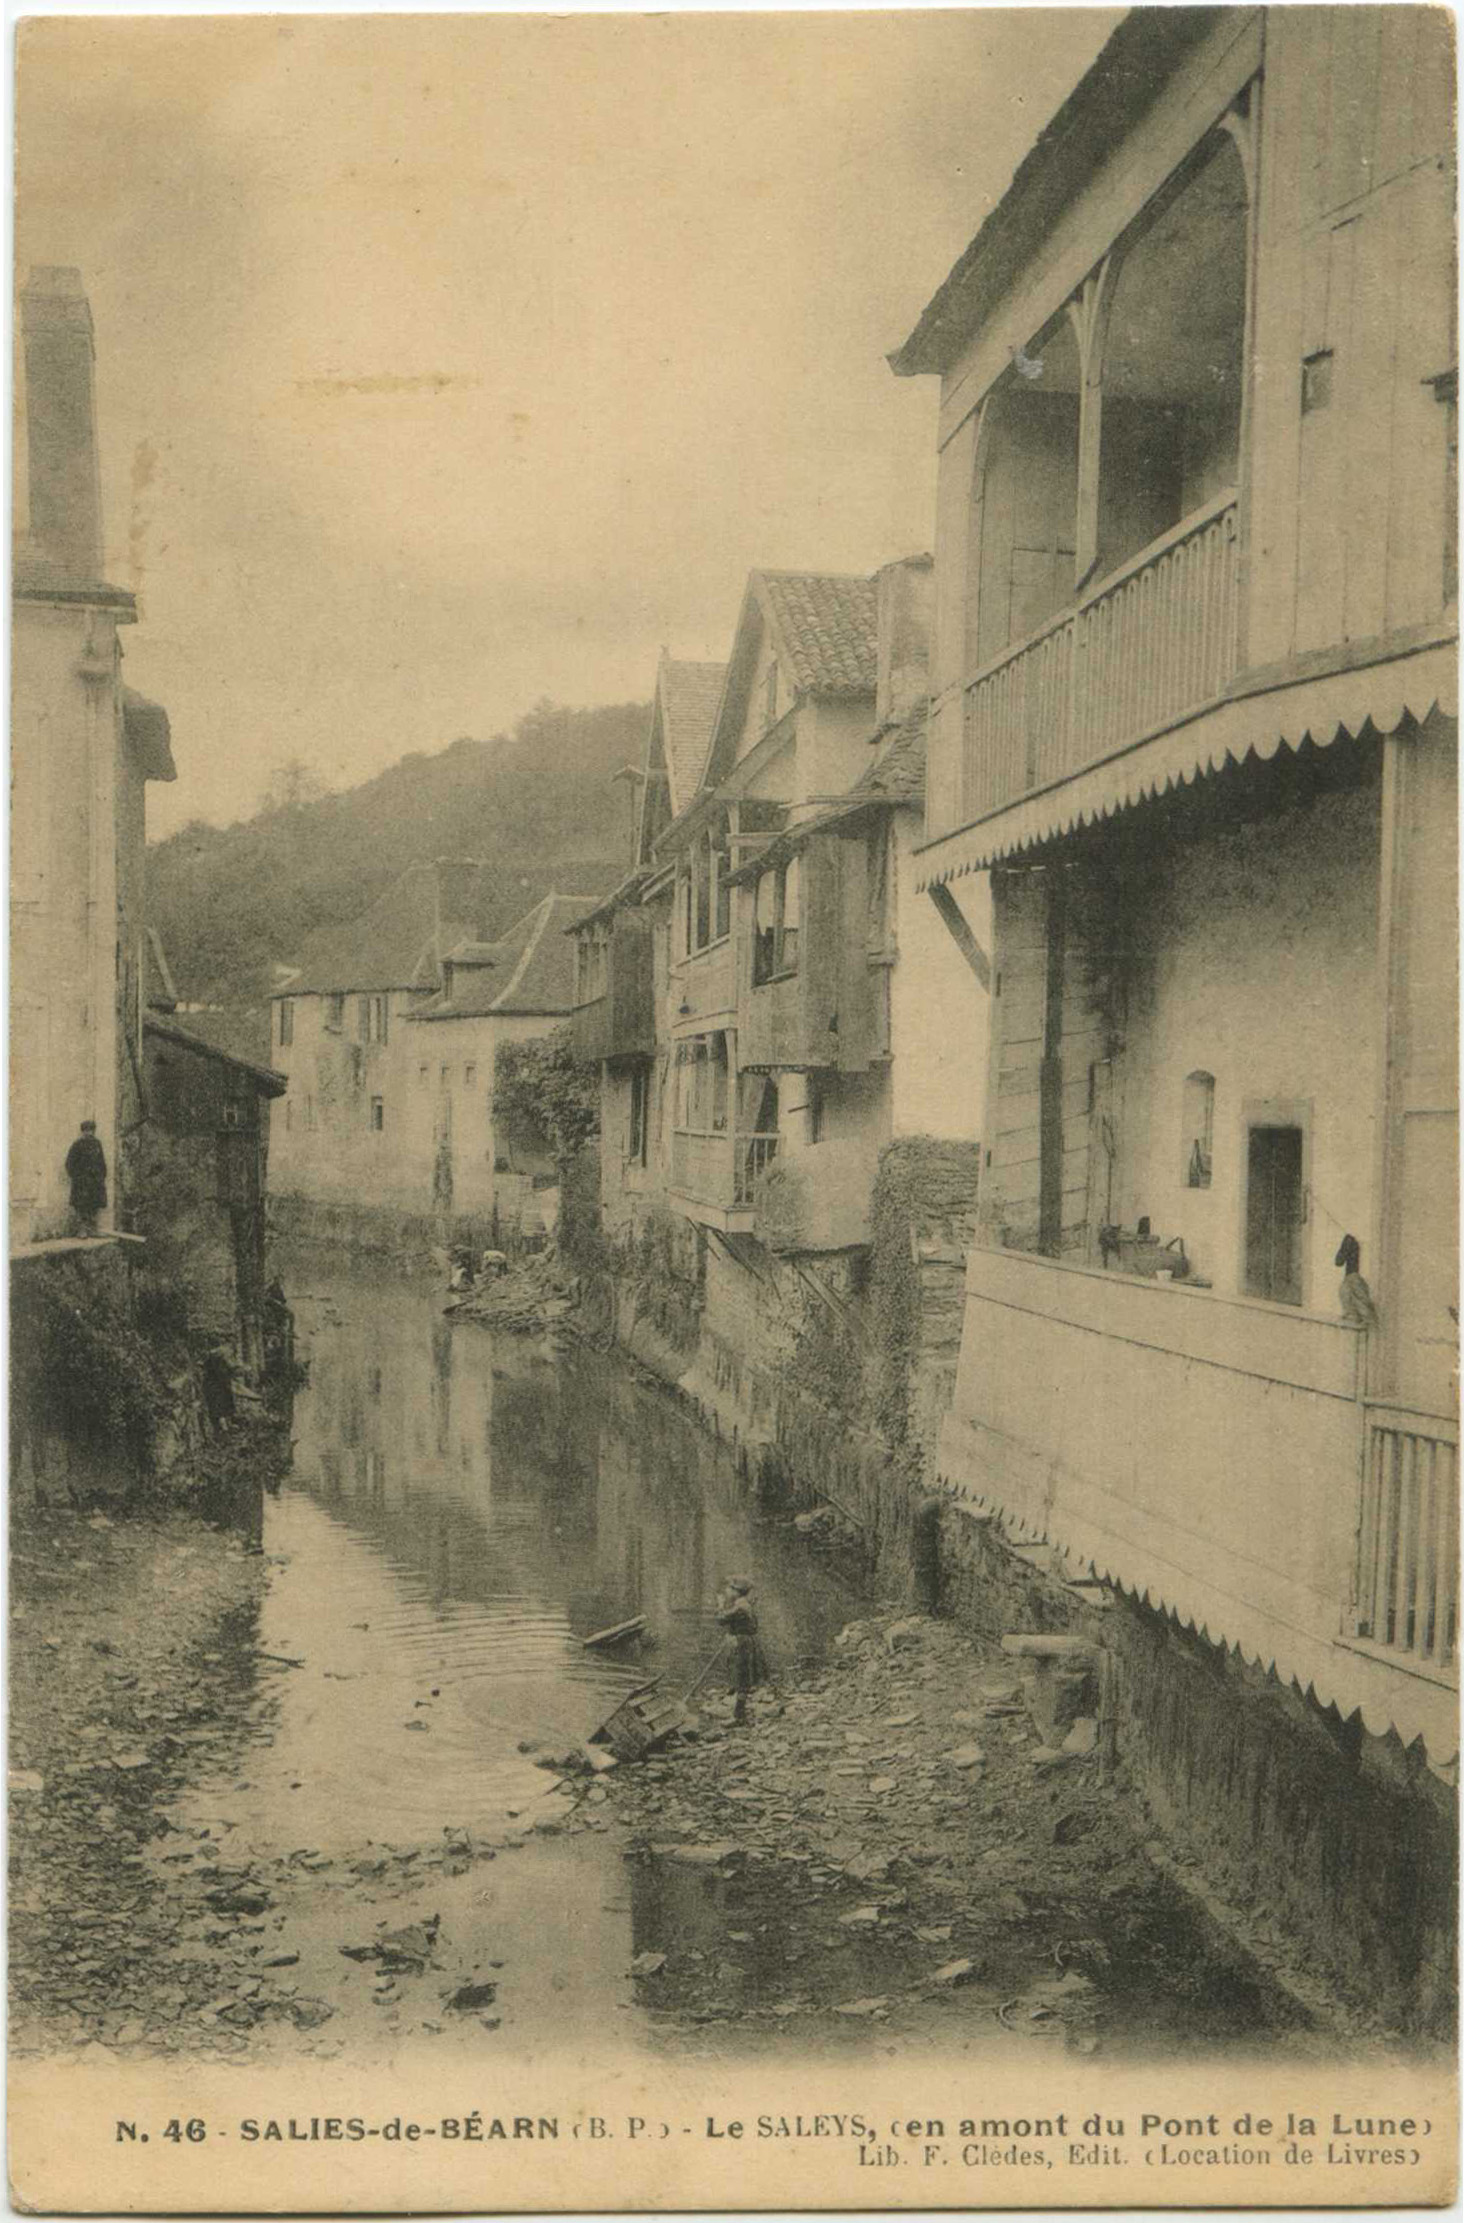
[
  {"x": 118, "y": 1398},
  {"x": 1331, "y": 1851}
]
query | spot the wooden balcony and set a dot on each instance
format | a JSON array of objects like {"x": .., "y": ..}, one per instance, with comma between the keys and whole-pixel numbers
[
  {"x": 827, "y": 1012},
  {"x": 718, "y": 1175},
  {"x": 704, "y": 988},
  {"x": 621, "y": 1021},
  {"x": 1155, "y": 640},
  {"x": 1407, "y": 1592}
]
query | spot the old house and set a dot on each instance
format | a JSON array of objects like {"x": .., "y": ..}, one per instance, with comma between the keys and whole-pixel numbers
[
  {"x": 388, "y": 1127},
  {"x": 1193, "y": 711},
  {"x": 83, "y": 747},
  {"x": 768, "y": 999},
  {"x": 198, "y": 1191}
]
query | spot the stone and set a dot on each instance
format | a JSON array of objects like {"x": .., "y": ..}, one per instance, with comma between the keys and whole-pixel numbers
[
  {"x": 648, "y": 1964},
  {"x": 1082, "y": 1738},
  {"x": 706, "y": 1856},
  {"x": 967, "y": 1756},
  {"x": 954, "y": 1972},
  {"x": 863, "y": 2006},
  {"x": 859, "y": 1918},
  {"x": 467, "y": 1997},
  {"x": 905, "y": 1636}
]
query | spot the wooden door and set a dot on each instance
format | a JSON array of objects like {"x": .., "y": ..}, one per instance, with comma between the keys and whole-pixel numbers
[{"x": 1273, "y": 1215}]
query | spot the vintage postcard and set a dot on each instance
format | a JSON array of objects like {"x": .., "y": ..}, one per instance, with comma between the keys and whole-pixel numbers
[{"x": 733, "y": 1111}]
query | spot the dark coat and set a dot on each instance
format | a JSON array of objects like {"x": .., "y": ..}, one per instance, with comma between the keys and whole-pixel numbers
[{"x": 86, "y": 1170}]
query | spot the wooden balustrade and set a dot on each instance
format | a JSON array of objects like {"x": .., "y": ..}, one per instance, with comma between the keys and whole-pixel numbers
[
  {"x": 1156, "y": 639},
  {"x": 1407, "y": 1587}
]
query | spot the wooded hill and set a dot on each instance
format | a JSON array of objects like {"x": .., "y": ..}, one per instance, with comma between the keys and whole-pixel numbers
[{"x": 537, "y": 805}]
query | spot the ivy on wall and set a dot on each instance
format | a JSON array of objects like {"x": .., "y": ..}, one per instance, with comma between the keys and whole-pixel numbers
[{"x": 539, "y": 1089}]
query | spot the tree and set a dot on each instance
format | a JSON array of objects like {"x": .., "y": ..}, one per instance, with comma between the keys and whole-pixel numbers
[
  {"x": 539, "y": 1089},
  {"x": 291, "y": 786}
]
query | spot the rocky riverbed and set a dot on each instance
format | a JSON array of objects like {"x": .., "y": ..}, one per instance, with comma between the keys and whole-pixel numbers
[{"x": 887, "y": 1847}]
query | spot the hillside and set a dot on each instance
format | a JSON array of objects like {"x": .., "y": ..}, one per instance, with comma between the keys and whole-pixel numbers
[{"x": 536, "y": 804}]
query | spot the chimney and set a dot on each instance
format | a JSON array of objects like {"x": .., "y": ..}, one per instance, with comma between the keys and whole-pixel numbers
[
  {"x": 460, "y": 897},
  {"x": 65, "y": 496},
  {"x": 904, "y": 593}
]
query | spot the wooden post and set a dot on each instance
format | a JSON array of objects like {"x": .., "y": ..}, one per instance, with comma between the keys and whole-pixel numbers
[{"x": 1049, "y": 1206}]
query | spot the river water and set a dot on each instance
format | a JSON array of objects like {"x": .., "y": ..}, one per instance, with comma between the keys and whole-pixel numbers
[{"x": 463, "y": 1511}]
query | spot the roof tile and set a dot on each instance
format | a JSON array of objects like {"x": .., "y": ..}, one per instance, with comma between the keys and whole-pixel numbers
[{"x": 826, "y": 626}]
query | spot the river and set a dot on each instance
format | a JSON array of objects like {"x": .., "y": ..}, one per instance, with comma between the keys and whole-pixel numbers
[{"x": 463, "y": 1512}]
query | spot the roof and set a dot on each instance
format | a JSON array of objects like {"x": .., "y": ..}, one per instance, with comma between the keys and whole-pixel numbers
[
  {"x": 392, "y": 945},
  {"x": 629, "y": 888},
  {"x": 690, "y": 696},
  {"x": 824, "y": 631},
  {"x": 1108, "y": 100},
  {"x": 532, "y": 971},
  {"x": 265, "y": 1076},
  {"x": 896, "y": 778},
  {"x": 825, "y": 628}
]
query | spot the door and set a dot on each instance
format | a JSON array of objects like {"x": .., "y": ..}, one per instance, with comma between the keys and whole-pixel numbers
[{"x": 1273, "y": 1214}]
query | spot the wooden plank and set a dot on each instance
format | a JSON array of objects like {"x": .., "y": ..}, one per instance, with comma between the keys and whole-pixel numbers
[
  {"x": 1423, "y": 218},
  {"x": 1324, "y": 466},
  {"x": 1355, "y": 37},
  {"x": 1369, "y": 387},
  {"x": 1394, "y": 139},
  {"x": 1311, "y": 110},
  {"x": 1403, "y": 1567},
  {"x": 1433, "y": 85}
]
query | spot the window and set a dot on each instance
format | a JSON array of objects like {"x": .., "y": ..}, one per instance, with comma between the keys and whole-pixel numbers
[
  {"x": 378, "y": 1115},
  {"x": 380, "y": 1014},
  {"x": 1198, "y": 1136},
  {"x": 1316, "y": 381},
  {"x": 702, "y": 1085},
  {"x": 287, "y": 1022},
  {"x": 775, "y": 944},
  {"x": 233, "y": 1114},
  {"x": 470, "y": 1076},
  {"x": 702, "y": 925},
  {"x": 592, "y": 955},
  {"x": 640, "y": 1091},
  {"x": 815, "y": 1108},
  {"x": 423, "y": 1074},
  {"x": 1275, "y": 1208},
  {"x": 335, "y": 1014},
  {"x": 363, "y": 1018}
]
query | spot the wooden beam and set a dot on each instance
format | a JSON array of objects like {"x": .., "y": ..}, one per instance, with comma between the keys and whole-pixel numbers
[{"x": 960, "y": 932}]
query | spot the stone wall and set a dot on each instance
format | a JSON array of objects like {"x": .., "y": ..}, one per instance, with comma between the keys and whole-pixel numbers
[{"x": 1331, "y": 1848}]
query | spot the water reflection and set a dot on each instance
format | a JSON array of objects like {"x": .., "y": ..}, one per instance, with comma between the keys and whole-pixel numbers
[{"x": 461, "y": 1515}]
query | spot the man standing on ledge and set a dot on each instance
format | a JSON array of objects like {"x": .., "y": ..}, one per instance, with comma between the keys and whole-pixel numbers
[{"x": 86, "y": 1170}]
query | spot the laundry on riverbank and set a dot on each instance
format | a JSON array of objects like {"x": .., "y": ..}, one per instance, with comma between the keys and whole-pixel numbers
[{"x": 534, "y": 1295}]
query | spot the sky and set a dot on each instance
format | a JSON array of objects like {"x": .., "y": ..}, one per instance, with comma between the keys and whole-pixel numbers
[{"x": 449, "y": 362}]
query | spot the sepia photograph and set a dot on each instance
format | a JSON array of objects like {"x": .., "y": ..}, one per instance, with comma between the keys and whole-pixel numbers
[{"x": 733, "y": 1111}]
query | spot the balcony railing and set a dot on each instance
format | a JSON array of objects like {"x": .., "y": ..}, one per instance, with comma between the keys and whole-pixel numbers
[
  {"x": 721, "y": 1171},
  {"x": 1407, "y": 1596},
  {"x": 1156, "y": 639},
  {"x": 755, "y": 1153}
]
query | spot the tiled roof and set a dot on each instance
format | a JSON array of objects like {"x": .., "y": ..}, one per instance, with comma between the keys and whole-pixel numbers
[
  {"x": 240, "y": 1030},
  {"x": 690, "y": 694},
  {"x": 825, "y": 627},
  {"x": 532, "y": 969},
  {"x": 897, "y": 774},
  {"x": 393, "y": 945}
]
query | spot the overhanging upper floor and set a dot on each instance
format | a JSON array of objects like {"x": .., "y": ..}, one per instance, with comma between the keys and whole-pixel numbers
[{"x": 1029, "y": 797}]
